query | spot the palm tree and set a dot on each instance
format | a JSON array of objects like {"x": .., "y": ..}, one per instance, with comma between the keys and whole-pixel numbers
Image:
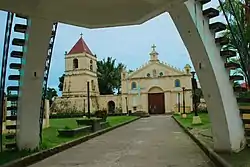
[
  {"x": 109, "y": 75},
  {"x": 238, "y": 33},
  {"x": 118, "y": 71}
]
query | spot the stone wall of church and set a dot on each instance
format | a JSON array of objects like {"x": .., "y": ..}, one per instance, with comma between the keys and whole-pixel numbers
[
  {"x": 188, "y": 101},
  {"x": 109, "y": 101},
  {"x": 77, "y": 104}
]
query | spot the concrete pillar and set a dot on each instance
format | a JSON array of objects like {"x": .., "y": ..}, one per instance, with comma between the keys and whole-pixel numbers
[
  {"x": 227, "y": 126},
  {"x": 39, "y": 33},
  {"x": 46, "y": 114},
  {"x": 144, "y": 102},
  {"x": 168, "y": 102}
]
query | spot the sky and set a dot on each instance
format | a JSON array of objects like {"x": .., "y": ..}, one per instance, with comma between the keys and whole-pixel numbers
[{"x": 129, "y": 45}]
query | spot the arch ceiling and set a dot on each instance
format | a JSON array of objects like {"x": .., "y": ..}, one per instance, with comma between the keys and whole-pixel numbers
[{"x": 91, "y": 13}]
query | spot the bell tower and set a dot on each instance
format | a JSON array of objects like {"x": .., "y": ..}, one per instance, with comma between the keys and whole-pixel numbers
[
  {"x": 80, "y": 68},
  {"x": 154, "y": 54}
]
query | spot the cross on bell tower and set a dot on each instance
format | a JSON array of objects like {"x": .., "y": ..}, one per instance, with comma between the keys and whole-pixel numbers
[{"x": 153, "y": 54}]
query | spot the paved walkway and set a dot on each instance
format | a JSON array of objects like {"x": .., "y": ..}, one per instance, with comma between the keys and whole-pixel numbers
[{"x": 150, "y": 142}]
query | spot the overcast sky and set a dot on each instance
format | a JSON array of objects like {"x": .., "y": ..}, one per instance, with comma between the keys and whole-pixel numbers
[{"x": 130, "y": 45}]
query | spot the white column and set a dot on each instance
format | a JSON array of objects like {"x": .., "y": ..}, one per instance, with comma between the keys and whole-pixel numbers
[
  {"x": 168, "y": 102},
  {"x": 39, "y": 33},
  {"x": 46, "y": 114},
  {"x": 227, "y": 126}
]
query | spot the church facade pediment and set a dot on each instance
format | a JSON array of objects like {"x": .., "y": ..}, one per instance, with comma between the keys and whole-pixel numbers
[{"x": 155, "y": 69}]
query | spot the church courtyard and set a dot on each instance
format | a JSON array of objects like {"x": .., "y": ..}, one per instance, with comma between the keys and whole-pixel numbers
[
  {"x": 155, "y": 141},
  {"x": 52, "y": 139}
]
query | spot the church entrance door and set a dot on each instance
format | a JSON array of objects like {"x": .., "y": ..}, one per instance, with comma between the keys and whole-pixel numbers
[{"x": 156, "y": 103}]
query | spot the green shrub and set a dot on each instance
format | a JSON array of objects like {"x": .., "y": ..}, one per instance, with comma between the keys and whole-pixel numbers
[
  {"x": 68, "y": 115},
  {"x": 245, "y": 94},
  {"x": 101, "y": 113},
  {"x": 117, "y": 114}
]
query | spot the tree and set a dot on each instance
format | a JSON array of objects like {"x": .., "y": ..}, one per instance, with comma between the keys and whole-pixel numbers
[
  {"x": 109, "y": 76},
  {"x": 50, "y": 94},
  {"x": 118, "y": 72},
  {"x": 238, "y": 32},
  {"x": 61, "y": 81}
]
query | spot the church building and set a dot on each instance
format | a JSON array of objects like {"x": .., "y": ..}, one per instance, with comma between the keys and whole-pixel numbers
[{"x": 156, "y": 87}]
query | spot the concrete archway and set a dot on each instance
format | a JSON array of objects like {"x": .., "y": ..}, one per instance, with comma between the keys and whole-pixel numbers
[
  {"x": 227, "y": 126},
  {"x": 111, "y": 106},
  {"x": 156, "y": 100}
]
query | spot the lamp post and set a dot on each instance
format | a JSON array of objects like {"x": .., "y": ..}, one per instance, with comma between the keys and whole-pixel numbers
[
  {"x": 179, "y": 103},
  {"x": 88, "y": 99},
  {"x": 196, "y": 118},
  {"x": 126, "y": 99},
  {"x": 194, "y": 96},
  {"x": 84, "y": 103},
  {"x": 184, "y": 107}
]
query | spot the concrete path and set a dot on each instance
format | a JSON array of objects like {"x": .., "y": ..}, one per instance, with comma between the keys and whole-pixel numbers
[{"x": 150, "y": 142}]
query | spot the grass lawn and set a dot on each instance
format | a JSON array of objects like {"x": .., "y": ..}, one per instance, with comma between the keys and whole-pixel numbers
[
  {"x": 51, "y": 138},
  {"x": 187, "y": 122},
  {"x": 235, "y": 159},
  {"x": 50, "y": 135}
]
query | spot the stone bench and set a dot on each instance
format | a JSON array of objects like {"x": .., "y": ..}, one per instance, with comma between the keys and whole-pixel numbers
[
  {"x": 74, "y": 132},
  {"x": 96, "y": 123}
]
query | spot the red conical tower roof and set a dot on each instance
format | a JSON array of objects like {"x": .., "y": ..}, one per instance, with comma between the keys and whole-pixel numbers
[{"x": 80, "y": 47}]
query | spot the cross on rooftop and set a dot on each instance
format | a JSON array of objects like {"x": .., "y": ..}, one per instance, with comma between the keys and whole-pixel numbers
[
  {"x": 153, "y": 47},
  {"x": 81, "y": 34}
]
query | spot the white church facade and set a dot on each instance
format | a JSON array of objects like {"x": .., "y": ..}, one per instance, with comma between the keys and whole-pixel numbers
[{"x": 155, "y": 87}]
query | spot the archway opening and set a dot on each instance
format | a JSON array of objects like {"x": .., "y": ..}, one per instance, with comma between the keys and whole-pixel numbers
[
  {"x": 111, "y": 107},
  {"x": 156, "y": 101}
]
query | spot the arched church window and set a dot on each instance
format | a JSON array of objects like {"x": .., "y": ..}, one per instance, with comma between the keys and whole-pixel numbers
[
  {"x": 161, "y": 74},
  {"x": 177, "y": 83},
  {"x": 148, "y": 74},
  {"x": 91, "y": 67},
  {"x": 133, "y": 85},
  {"x": 91, "y": 61},
  {"x": 75, "y": 63}
]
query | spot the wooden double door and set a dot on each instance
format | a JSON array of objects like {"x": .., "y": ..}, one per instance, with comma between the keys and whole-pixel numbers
[{"x": 156, "y": 103}]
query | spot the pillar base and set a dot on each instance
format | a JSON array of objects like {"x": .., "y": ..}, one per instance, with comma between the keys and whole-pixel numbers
[
  {"x": 219, "y": 149},
  {"x": 196, "y": 120},
  {"x": 184, "y": 115}
]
